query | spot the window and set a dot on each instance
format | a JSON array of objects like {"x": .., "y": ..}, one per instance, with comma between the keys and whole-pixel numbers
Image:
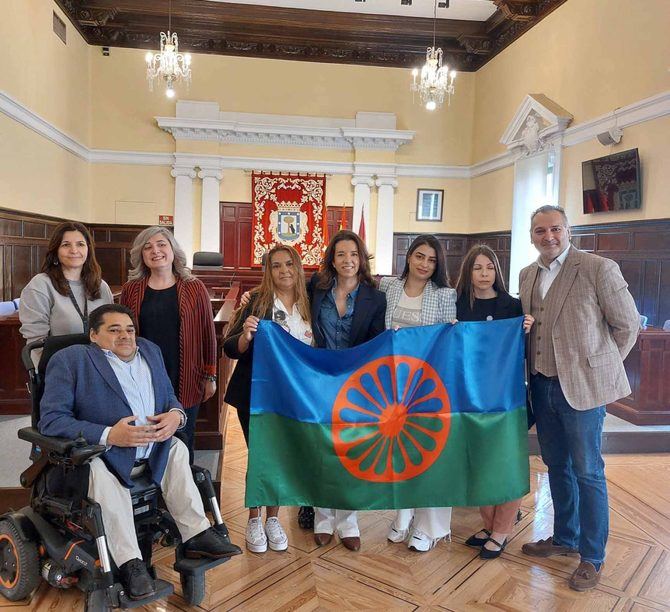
[{"x": 429, "y": 204}]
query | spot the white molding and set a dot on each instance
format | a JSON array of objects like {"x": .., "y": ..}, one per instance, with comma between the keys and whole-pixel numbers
[
  {"x": 23, "y": 115},
  {"x": 131, "y": 158},
  {"x": 644, "y": 110},
  {"x": 434, "y": 171},
  {"x": 549, "y": 120},
  {"x": 648, "y": 109},
  {"x": 236, "y": 132},
  {"x": 492, "y": 164}
]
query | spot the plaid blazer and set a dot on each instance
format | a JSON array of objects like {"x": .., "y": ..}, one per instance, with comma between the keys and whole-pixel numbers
[
  {"x": 438, "y": 304},
  {"x": 596, "y": 324}
]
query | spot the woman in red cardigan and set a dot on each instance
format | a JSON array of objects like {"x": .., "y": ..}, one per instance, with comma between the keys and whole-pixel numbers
[{"x": 173, "y": 310}]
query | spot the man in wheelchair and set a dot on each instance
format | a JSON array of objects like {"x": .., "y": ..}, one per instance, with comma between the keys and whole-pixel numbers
[{"x": 116, "y": 392}]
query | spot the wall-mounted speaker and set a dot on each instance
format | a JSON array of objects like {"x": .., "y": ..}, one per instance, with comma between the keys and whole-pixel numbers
[{"x": 611, "y": 136}]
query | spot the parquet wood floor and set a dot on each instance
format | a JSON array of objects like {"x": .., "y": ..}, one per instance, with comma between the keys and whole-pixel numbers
[{"x": 385, "y": 576}]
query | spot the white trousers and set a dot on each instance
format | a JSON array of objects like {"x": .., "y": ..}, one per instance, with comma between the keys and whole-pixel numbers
[
  {"x": 328, "y": 520},
  {"x": 434, "y": 522},
  {"x": 180, "y": 493}
]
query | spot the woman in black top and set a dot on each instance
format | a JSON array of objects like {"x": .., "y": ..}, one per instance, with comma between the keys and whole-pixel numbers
[{"x": 482, "y": 297}]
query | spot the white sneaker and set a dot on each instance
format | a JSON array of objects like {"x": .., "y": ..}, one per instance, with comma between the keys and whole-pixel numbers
[
  {"x": 396, "y": 535},
  {"x": 420, "y": 542},
  {"x": 256, "y": 540},
  {"x": 276, "y": 536}
]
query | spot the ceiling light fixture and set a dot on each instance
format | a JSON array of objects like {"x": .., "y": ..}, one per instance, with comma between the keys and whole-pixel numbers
[
  {"x": 168, "y": 65},
  {"x": 436, "y": 81}
]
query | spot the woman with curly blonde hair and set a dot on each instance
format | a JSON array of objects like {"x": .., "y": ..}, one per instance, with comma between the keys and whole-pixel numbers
[{"x": 173, "y": 310}]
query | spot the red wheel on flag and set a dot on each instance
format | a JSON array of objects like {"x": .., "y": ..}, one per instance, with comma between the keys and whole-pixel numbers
[{"x": 391, "y": 419}]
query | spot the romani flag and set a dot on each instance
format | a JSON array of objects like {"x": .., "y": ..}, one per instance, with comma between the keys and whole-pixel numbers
[{"x": 419, "y": 417}]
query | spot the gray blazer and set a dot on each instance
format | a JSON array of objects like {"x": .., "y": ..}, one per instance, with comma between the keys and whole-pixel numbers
[
  {"x": 438, "y": 304},
  {"x": 596, "y": 325}
]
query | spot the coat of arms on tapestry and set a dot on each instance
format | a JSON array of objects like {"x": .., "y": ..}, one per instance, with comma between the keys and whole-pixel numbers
[{"x": 289, "y": 209}]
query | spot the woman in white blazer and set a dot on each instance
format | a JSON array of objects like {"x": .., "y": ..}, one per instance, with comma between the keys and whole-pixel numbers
[{"x": 420, "y": 296}]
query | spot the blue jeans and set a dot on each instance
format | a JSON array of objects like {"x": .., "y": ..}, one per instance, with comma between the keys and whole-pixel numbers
[{"x": 570, "y": 443}]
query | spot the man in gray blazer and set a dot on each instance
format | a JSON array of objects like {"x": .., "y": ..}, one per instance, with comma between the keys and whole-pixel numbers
[{"x": 586, "y": 323}]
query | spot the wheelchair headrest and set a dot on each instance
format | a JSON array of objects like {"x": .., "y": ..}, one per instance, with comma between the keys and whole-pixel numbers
[
  {"x": 50, "y": 346},
  {"x": 53, "y": 344}
]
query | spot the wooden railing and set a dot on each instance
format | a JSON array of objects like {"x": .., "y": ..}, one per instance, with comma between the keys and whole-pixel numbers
[{"x": 211, "y": 430}]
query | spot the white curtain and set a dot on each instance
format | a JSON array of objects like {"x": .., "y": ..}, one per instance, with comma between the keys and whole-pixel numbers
[{"x": 530, "y": 192}]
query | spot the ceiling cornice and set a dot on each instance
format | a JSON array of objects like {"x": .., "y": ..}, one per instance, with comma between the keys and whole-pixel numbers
[{"x": 321, "y": 36}]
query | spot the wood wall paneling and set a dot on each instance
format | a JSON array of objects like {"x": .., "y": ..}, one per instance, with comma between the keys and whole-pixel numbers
[
  {"x": 641, "y": 248},
  {"x": 648, "y": 370},
  {"x": 334, "y": 217}
]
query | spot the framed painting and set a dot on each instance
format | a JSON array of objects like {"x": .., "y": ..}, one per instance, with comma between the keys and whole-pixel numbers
[{"x": 429, "y": 204}]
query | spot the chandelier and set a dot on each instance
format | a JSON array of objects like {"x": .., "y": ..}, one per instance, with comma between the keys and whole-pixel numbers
[
  {"x": 168, "y": 65},
  {"x": 436, "y": 80}
]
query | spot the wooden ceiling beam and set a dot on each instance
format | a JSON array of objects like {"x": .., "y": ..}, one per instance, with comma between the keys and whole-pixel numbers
[{"x": 289, "y": 33}]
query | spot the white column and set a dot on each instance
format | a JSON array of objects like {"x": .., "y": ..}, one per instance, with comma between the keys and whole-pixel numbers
[
  {"x": 210, "y": 223},
  {"x": 362, "y": 185},
  {"x": 530, "y": 192},
  {"x": 384, "y": 243},
  {"x": 183, "y": 208}
]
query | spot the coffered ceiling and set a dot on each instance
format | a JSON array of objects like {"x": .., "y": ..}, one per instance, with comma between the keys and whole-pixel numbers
[{"x": 369, "y": 32}]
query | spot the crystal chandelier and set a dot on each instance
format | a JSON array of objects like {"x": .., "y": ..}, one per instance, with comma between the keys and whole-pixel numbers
[
  {"x": 436, "y": 80},
  {"x": 169, "y": 64}
]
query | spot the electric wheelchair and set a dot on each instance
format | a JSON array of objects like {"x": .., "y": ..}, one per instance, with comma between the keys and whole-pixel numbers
[{"x": 60, "y": 537}]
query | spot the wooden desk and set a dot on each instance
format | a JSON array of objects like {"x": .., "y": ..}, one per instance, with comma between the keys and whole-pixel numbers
[
  {"x": 211, "y": 423},
  {"x": 648, "y": 369},
  {"x": 14, "y": 397}
]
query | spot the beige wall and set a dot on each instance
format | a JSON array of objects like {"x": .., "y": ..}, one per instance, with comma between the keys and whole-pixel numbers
[
  {"x": 123, "y": 108},
  {"x": 53, "y": 80},
  {"x": 653, "y": 141},
  {"x": 130, "y": 194},
  {"x": 38, "y": 176},
  {"x": 455, "y": 204},
  {"x": 491, "y": 201},
  {"x": 589, "y": 56},
  {"x": 38, "y": 70}
]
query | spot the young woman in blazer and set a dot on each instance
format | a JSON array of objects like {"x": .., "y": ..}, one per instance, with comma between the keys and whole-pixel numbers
[
  {"x": 281, "y": 297},
  {"x": 482, "y": 296},
  {"x": 420, "y": 296},
  {"x": 346, "y": 310}
]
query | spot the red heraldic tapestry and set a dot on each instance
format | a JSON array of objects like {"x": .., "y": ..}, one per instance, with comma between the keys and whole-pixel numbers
[{"x": 288, "y": 209}]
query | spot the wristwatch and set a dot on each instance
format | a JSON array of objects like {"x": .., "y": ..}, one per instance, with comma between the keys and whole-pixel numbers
[{"x": 210, "y": 378}]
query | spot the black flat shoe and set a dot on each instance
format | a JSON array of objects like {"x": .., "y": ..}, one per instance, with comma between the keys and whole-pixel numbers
[
  {"x": 476, "y": 542},
  {"x": 306, "y": 517},
  {"x": 485, "y": 553}
]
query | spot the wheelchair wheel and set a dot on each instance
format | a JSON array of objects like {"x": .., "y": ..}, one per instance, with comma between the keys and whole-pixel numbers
[
  {"x": 96, "y": 601},
  {"x": 19, "y": 563},
  {"x": 193, "y": 588}
]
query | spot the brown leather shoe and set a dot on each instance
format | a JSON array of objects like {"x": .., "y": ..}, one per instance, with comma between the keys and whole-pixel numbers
[
  {"x": 585, "y": 577},
  {"x": 322, "y": 539},
  {"x": 352, "y": 543},
  {"x": 547, "y": 548}
]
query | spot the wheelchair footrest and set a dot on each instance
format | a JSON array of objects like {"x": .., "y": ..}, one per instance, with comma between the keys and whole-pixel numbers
[
  {"x": 197, "y": 566},
  {"x": 163, "y": 591}
]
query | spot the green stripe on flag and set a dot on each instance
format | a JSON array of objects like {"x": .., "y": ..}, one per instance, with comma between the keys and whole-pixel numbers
[{"x": 484, "y": 462}]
